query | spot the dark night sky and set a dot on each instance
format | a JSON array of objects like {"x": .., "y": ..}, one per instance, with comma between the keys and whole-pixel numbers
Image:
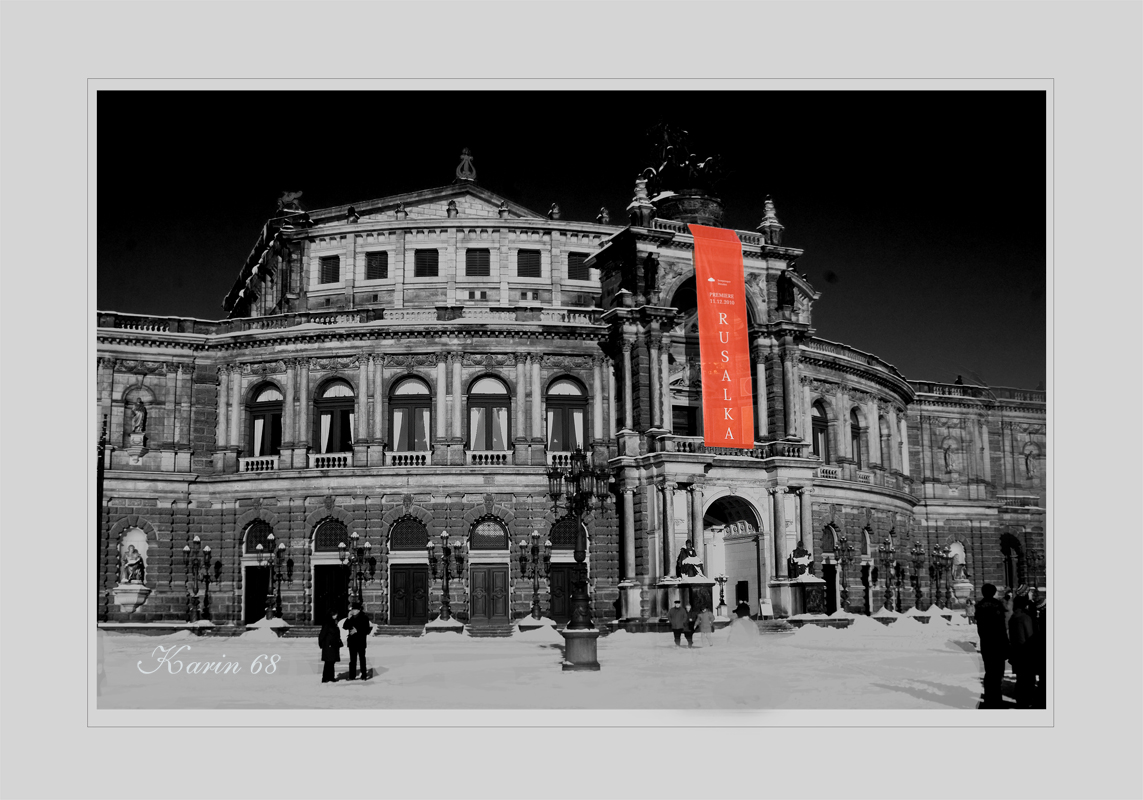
[{"x": 922, "y": 214}]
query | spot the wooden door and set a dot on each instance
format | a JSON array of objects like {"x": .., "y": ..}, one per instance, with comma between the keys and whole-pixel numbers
[
  {"x": 331, "y": 591},
  {"x": 255, "y": 585},
  {"x": 560, "y": 581},
  {"x": 409, "y": 594},
  {"x": 829, "y": 575},
  {"x": 489, "y": 593}
]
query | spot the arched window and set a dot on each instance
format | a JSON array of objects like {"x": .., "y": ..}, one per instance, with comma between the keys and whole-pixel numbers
[
  {"x": 329, "y": 535},
  {"x": 564, "y": 534},
  {"x": 886, "y": 442},
  {"x": 488, "y": 533},
  {"x": 567, "y": 408},
  {"x": 488, "y": 410},
  {"x": 410, "y": 415},
  {"x": 333, "y": 418},
  {"x": 856, "y": 438},
  {"x": 256, "y": 534},
  {"x": 408, "y": 533},
  {"x": 264, "y": 436},
  {"x": 820, "y": 425}
]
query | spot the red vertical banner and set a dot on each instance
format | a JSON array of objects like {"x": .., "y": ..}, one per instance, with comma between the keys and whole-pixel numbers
[{"x": 724, "y": 342}]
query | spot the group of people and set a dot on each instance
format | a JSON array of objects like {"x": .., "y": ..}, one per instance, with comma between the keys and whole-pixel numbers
[
  {"x": 1012, "y": 631},
  {"x": 700, "y": 619},
  {"x": 359, "y": 627}
]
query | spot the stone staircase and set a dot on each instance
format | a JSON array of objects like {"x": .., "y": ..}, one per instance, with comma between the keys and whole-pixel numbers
[
  {"x": 774, "y": 626},
  {"x": 301, "y": 631},
  {"x": 399, "y": 630},
  {"x": 490, "y": 631}
]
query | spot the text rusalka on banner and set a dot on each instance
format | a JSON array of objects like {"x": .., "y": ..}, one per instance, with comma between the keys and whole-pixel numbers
[{"x": 724, "y": 344}]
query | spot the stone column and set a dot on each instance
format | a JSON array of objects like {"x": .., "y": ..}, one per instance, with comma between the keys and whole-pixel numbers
[
  {"x": 807, "y": 514},
  {"x": 841, "y": 411},
  {"x": 780, "y": 533},
  {"x": 288, "y": 404},
  {"x": 807, "y": 412},
  {"x": 789, "y": 380},
  {"x": 362, "y": 431},
  {"x": 873, "y": 432},
  {"x": 894, "y": 459},
  {"x": 761, "y": 403},
  {"x": 235, "y": 407},
  {"x": 537, "y": 401},
  {"x": 378, "y": 391},
  {"x": 457, "y": 422},
  {"x": 629, "y": 568},
  {"x": 521, "y": 408},
  {"x": 665, "y": 383},
  {"x": 597, "y": 397},
  {"x": 904, "y": 445},
  {"x": 441, "y": 411},
  {"x": 656, "y": 404},
  {"x": 302, "y": 436},
  {"x": 611, "y": 399},
  {"x": 668, "y": 527},
  {"x": 985, "y": 453},
  {"x": 628, "y": 388},
  {"x": 170, "y": 427},
  {"x": 697, "y": 524},
  {"x": 223, "y": 395}
]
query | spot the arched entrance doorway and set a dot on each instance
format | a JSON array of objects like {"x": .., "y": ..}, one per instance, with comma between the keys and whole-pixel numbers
[{"x": 737, "y": 550}]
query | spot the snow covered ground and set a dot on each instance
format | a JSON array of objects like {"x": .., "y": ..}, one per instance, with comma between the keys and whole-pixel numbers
[{"x": 905, "y": 665}]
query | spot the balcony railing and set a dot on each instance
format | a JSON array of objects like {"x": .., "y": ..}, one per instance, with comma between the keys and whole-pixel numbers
[
  {"x": 258, "y": 464},
  {"x": 761, "y": 450},
  {"x": 331, "y": 460},
  {"x": 832, "y": 473},
  {"x": 489, "y": 458},
  {"x": 1020, "y": 500},
  {"x": 417, "y": 458},
  {"x": 865, "y": 477},
  {"x": 559, "y": 458}
]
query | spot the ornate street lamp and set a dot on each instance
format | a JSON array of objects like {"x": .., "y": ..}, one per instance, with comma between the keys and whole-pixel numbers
[
  {"x": 722, "y": 579},
  {"x": 1034, "y": 561},
  {"x": 448, "y": 556},
  {"x": 273, "y": 557},
  {"x": 939, "y": 571},
  {"x": 586, "y": 488},
  {"x": 886, "y": 552},
  {"x": 198, "y": 568},
  {"x": 357, "y": 558},
  {"x": 539, "y": 563},
  {"x": 843, "y": 551},
  {"x": 917, "y": 555}
]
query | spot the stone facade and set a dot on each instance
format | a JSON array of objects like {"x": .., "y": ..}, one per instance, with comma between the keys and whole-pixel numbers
[{"x": 295, "y": 410}]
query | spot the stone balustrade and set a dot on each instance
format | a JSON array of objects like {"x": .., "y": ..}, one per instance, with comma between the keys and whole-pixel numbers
[
  {"x": 864, "y": 477},
  {"x": 330, "y": 460},
  {"x": 559, "y": 458},
  {"x": 1019, "y": 500},
  {"x": 258, "y": 464},
  {"x": 489, "y": 458},
  {"x": 831, "y": 473},
  {"x": 419, "y": 458}
]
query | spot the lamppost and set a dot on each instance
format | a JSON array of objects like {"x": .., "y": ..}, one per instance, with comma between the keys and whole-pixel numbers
[
  {"x": 886, "y": 551},
  {"x": 355, "y": 558},
  {"x": 1034, "y": 560},
  {"x": 917, "y": 555},
  {"x": 585, "y": 488},
  {"x": 844, "y": 555},
  {"x": 939, "y": 571},
  {"x": 722, "y": 580},
  {"x": 540, "y": 562},
  {"x": 273, "y": 557},
  {"x": 448, "y": 555},
  {"x": 198, "y": 569}
]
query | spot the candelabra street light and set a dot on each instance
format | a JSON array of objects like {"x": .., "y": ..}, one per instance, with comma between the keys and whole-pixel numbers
[
  {"x": 886, "y": 551},
  {"x": 539, "y": 562},
  {"x": 917, "y": 555},
  {"x": 585, "y": 488},
  {"x": 722, "y": 580},
  {"x": 199, "y": 568},
  {"x": 448, "y": 570},
  {"x": 357, "y": 558},
  {"x": 939, "y": 572},
  {"x": 844, "y": 554},
  {"x": 1034, "y": 561},
  {"x": 273, "y": 556}
]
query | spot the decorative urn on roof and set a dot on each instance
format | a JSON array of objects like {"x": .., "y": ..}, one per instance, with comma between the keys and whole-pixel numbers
[{"x": 683, "y": 184}]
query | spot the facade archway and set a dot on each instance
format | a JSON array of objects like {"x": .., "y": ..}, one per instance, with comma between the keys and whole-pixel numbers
[{"x": 732, "y": 526}]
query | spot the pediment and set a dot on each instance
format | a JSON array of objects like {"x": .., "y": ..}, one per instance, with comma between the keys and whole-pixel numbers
[{"x": 472, "y": 202}]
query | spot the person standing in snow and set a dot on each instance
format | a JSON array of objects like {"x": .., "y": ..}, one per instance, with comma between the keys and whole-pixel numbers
[
  {"x": 1021, "y": 632},
  {"x": 329, "y": 640},
  {"x": 705, "y": 624},
  {"x": 357, "y": 623},
  {"x": 990, "y": 626},
  {"x": 677, "y": 617}
]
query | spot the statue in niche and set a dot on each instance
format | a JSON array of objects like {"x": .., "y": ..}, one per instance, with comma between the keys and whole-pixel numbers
[
  {"x": 800, "y": 561},
  {"x": 785, "y": 291},
  {"x": 687, "y": 564},
  {"x": 959, "y": 563},
  {"x": 138, "y": 416},
  {"x": 1030, "y": 462},
  {"x": 134, "y": 568}
]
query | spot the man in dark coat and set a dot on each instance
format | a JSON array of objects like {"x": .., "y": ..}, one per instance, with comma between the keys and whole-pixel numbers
[
  {"x": 1021, "y": 632},
  {"x": 329, "y": 640},
  {"x": 993, "y": 644},
  {"x": 357, "y": 623},
  {"x": 677, "y": 617}
]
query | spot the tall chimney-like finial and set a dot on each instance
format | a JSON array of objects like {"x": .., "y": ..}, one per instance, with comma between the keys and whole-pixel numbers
[
  {"x": 465, "y": 171},
  {"x": 770, "y": 228}
]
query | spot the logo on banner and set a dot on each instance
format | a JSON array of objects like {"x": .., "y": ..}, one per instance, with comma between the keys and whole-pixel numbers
[{"x": 724, "y": 342}]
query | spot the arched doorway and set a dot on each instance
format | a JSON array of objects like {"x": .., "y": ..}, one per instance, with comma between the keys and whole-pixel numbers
[
  {"x": 737, "y": 551},
  {"x": 489, "y": 592},
  {"x": 408, "y": 572}
]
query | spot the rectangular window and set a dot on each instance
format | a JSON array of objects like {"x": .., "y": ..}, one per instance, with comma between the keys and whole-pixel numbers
[
  {"x": 330, "y": 269},
  {"x": 684, "y": 420},
  {"x": 477, "y": 263},
  {"x": 528, "y": 264},
  {"x": 376, "y": 266},
  {"x": 576, "y": 270},
  {"x": 425, "y": 263}
]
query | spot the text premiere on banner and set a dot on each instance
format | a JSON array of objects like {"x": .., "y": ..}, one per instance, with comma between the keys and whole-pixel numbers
[{"x": 724, "y": 343}]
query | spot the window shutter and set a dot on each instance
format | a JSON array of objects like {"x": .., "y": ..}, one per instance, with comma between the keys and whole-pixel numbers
[
  {"x": 376, "y": 266},
  {"x": 330, "y": 269},
  {"x": 477, "y": 263},
  {"x": 528, "y": 264},
  {"x": 576, "y": 270},
  {"x": 425, "y": 263}
]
